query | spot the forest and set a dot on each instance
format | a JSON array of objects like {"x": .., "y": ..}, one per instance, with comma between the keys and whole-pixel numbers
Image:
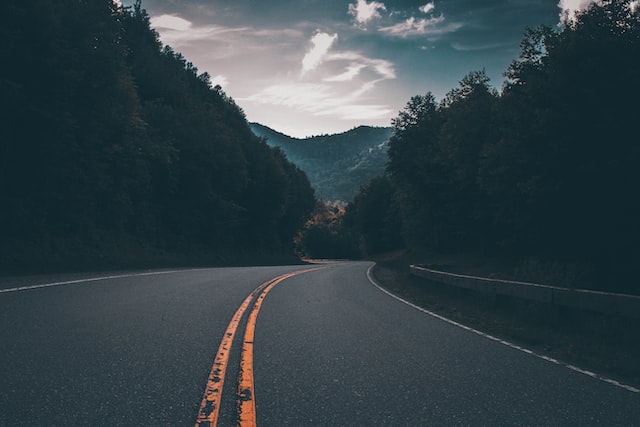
[
  {"x": 116, "y": 152},
  {"x": 544, "y": 172},
  {"x": 336, "y": 165}
]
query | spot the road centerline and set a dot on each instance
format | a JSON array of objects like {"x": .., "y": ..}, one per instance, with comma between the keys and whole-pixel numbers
[{"x": 209, "y": 411}]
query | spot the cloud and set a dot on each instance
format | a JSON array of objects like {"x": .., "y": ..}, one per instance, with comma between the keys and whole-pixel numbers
[
  {"x": 427, "y": 7},
  {"x": 319, "y": 100},
  {"x": 569, "y": 8},
  {"x": 382, "y": 67},
  {"x": 341, "y": 96},
  {"x": 414, "y": 27},
  {"x": 220, "y": 41},
  {"x": 321, "y": 44},
  {"x": 179, "y": 32},
  {"x": 351, "y": 72},
  {"x": 365, "y": 12},
  {"x": 221, "y": 80},
  {"x": 309, "y": 97},
  {"x": 360, "y": 111},
  {"x": 170, "y": 22}
]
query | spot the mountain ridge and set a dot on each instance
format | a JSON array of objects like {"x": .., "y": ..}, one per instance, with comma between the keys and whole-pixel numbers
[{"x": 337, "y": 165}]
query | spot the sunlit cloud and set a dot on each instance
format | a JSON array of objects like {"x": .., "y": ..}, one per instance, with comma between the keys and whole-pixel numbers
[
  {"x": 330, "y": 96},
  {"x": 221, "y": 80},
  {"x": 427, "y": 7},
  {"x": 305, "y": 69},
  {"x": 381, "y": 66},
  {"x": 569, "y": 8},
  {"x": 365, "y": 12},
  {"x": 311, "y": 97},
  {"x": 359, "y": 112},
  {"x": 321, "y": 44},
  {"x": 170, "y": 22},
  {"x": 179, "y": 32},
  {"x": 319, "y": 100},
  {"x": 414, "y": 27},
  {"x": 365, "y": 87},
  {"x": 351, "y": 72}
]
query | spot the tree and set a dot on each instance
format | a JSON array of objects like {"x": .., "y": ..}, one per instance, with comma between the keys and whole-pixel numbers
[
  {"x": 469, "y": 125},
  {"x": 124, "y": 153},
  {"x": 374, "y": 217},
  {"x": 415, "y": 168}
]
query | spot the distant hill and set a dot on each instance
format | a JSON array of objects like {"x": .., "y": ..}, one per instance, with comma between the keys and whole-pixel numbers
[{"x": 336, "y": 165}]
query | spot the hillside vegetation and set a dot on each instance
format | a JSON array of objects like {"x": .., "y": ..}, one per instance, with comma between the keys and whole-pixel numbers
[
  {"x": 115, "y": 151},
  {"x": 337, "y": 165},
  {"x": 543, "y": 174}
]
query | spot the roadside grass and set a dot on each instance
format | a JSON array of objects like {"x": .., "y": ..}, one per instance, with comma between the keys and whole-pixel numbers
[{"x": 606, "y": 344}]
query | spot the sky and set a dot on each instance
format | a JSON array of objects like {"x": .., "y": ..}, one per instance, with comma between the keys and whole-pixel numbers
[{"x": 312, "y": 67}]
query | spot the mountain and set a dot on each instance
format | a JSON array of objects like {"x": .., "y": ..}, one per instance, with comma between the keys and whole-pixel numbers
[{"x": 336, "y": 165}]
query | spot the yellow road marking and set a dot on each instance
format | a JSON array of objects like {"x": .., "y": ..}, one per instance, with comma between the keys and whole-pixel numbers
[{"x": 210, "y": 406}]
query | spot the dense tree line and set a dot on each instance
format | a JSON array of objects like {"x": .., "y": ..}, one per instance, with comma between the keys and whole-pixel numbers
[
  {"x": 546, "y": 169},
  {"x": 115, "y": 150}
]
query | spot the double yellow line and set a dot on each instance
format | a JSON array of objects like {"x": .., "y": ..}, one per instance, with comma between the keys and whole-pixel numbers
[{"x": 210, "y": 406}]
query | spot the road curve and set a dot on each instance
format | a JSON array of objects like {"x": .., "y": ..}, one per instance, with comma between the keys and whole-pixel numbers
[
  {"x": 328, "y": 349},
  {"x": 333, "y": 350}
]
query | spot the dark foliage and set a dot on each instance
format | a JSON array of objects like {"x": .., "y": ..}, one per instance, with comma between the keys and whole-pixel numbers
[
  {"x": 373, "y": 216},
  {"x": 115, "y": 151},
  {"x": 325, "y": 235},
  {"x": 546, "y": 170}
]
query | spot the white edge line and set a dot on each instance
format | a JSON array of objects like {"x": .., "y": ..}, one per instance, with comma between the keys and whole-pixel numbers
[
  {"x": 501, "y": 341},
  {"x": 92, "y": 279}
]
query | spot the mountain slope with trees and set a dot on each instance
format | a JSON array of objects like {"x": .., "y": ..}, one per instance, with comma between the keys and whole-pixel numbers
[
  {"x": 116, "y": 152},
  {"x": 545, "y": 172},
  {"x": 337, "y": 165}
]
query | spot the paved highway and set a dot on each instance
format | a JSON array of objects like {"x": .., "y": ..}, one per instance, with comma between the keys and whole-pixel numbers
[{"x": 321, "y": 347}]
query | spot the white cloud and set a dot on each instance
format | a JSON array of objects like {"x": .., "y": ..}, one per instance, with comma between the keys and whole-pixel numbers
[
  {"x": 634, "y": 5},
  {"x": 311, "y": 97},
  {"x": 340, "y": 96},
  {"x": 219, "y": 41},
  {"x": 570, "y": 7},
  {"x": 170, "y": 22},
  {"x": 365, "y": 12},
  {"x": 351, "y": 72},
  {"x": 179, "y": 32},
  {"x": 321, "y": 44},
  {"x": 382, "y": 67},
  {"x": 221, "y": 80},
  {"x": 360, "y": 112},
  {"x": 319, "y": 100},
  {"x": 413, "y": 27},
  {"x": 427, "y": 7}
]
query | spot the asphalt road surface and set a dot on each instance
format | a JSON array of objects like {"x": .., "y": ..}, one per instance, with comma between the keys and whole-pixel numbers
[{"x": 329, "y": 349}]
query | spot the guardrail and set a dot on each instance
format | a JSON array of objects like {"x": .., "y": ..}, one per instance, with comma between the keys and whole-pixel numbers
[{"x": 603, "y": 302}]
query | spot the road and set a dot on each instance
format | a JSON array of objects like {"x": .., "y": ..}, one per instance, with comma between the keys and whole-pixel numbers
[{"x": 330, "y": 349}]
